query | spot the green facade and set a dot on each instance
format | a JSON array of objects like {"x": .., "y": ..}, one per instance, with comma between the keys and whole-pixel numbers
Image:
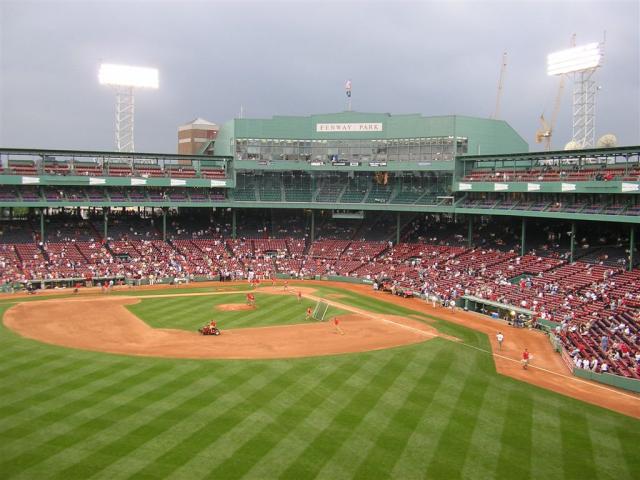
[{"x": 484, "y": 135}]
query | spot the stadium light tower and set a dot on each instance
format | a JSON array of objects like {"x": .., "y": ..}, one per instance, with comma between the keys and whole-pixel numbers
[
  {"x": 125, "y": 79},
  {"x": 582, "y": 62}
]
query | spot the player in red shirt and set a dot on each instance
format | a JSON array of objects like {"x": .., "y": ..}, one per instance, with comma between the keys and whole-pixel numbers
[
  {"x": 336, "y": 324},
  {"x": 525, "y": 358},
  {"x": 251, "y": 299},
  {"x": 309, "y": 313},
  {"x": 299, "y": 296}
]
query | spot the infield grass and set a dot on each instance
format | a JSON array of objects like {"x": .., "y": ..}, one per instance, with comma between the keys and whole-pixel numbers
[
  {"x": 190, "y": 313},
  {"x": 432, "y": 410}
]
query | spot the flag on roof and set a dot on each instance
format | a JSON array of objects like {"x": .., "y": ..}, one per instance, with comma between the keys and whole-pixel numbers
[{"x": 347, "y": 87}]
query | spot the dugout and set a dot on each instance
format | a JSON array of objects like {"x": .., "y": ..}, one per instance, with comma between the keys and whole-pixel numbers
[{"x": 497, "y": 310}]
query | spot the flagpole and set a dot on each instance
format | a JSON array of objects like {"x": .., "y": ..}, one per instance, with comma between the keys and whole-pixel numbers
[{"x": 347, "y": 87}]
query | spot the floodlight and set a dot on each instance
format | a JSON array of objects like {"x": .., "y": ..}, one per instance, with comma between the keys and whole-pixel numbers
[
  {"x": 127, "y": 76},
  {"x": 124, "y": 79},
  {"x": 581, "y": 63},
  {"x": 577, "y": 59}
]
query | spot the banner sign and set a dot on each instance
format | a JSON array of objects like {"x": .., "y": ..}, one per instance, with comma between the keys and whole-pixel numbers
[
  {"x": 630, "y": 187},
  {"x": 348, "y": 127}
]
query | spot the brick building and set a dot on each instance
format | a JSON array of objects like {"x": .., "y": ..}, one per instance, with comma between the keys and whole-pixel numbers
[{"x": 197, "y": 137}]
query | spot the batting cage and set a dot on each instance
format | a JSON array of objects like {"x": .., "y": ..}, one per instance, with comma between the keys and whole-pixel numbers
[{"x": 320, "y": 311}]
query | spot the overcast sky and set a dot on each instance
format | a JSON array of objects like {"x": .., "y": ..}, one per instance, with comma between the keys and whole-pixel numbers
[{"x": 292, "y": 58}]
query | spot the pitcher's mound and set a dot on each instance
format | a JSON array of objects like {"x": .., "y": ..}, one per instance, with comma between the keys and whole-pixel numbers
[{"x": 233, "y": 307}]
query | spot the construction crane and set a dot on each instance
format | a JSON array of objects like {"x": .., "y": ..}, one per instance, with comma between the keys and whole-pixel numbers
[
  {"x": 503, "y": 69},
  {"x": 545, "y": 133}
]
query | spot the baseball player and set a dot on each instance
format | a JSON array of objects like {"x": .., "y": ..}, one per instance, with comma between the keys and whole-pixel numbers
[
  {"x": 500, "y": 339},
  {"x": 336, "y": 324},
  {"x": 309, "y": 313},
  {"x": 251, "y": 300},
  {"x": 525, "y": 358}
]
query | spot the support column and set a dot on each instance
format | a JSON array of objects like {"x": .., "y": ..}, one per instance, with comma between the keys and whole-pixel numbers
[
  {"x": 470, "y": 232},
  {"x": 164, "y": 224},
  {"x": 42, "y": 239},
  {"x": 523, "y": 237},
  {"x": 632, "y": 247},
  {"x": 398, "y": 228},
  {"x": 573, "y": 241},
  {"x": 233, "y": 223},
  {"x": 313, "y": 225},
  {"x": 272, "y": 233},
  {"x": 105, "y": 229}
]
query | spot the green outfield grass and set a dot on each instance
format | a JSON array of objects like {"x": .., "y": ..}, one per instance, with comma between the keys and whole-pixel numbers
[
  {"x": 190, "y": 313},
  {"x": 432, "y": 410}
]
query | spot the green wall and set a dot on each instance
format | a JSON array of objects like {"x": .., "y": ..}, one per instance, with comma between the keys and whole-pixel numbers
[{"x": 485, "y": 135}]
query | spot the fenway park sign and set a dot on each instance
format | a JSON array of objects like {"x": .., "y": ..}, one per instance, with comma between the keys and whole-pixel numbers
[{"x": 348, "y": 127}]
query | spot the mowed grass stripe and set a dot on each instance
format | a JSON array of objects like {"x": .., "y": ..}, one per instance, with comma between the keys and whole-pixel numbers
[
  {"x": 54, "y": 406},
  {"x": 153, "y": 427},
  {"x": 515, "y": 441},
  {"x": 390, "y": 443},
  {"x": 222, "y": 423},
  {"x": 319, "y": 451},
  {"x": 629, "y": 439},
  {"x": 256, "y": 447},
  {"x": 61, "y": 392},
  {"x": 19, "y": 364},
  {"x": 279, "y": 313},
  {"x": 450, "y": 454},
  {"x": 40, "y": 451},
  {"x": 482, "y": 457},
  {"x": 313, "y": 421},
  {"x": 577, "y": 451},
  {"x": 364, "y": 435},
  {"x": 111, "y": 420},
  {"x": 32, "y": 382},
  {"x": 422, "y": 445},
  {"x": 608, "y": 458},
  {"x": 77, "y": 432},
  {"x": 546, "y": 461}
]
